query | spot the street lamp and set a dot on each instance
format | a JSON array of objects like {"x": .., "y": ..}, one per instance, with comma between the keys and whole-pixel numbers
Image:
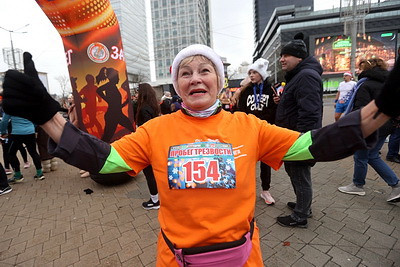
[{"x": 12, "y": 45}]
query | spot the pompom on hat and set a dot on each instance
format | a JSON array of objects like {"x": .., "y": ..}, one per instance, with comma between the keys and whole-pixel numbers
[
  {"x": 198, "y": 50},
  {"x": 261, "y": 66},
  {"x": 296, "y": 47}
]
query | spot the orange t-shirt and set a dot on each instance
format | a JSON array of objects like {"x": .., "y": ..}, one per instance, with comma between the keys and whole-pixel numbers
[{"x": 205, "y": 216}]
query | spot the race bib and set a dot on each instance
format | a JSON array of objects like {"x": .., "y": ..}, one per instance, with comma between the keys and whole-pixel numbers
[{"x": 201, "y": 165}]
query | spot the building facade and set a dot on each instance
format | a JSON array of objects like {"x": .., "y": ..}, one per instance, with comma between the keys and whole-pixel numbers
[
  {"x": 325, "y": 38},
  {"x": 177, "y": 24},
  {"x": 131, "y": 16},
  {"x": 263, "y": 10}
]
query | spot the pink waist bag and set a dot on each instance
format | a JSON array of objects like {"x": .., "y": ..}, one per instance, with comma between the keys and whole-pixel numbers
[{"x": 227, "y": 254}]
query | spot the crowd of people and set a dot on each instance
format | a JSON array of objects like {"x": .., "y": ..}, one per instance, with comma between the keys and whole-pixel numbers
[{"x": 190, "y": 149}]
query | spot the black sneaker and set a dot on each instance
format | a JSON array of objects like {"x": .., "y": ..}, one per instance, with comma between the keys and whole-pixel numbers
[
  {"x": 395, "y": 159},
  {"x": 6, "y": 190},
  {"x": 292, "y": 205},
  {"x": 288, "y": 221},
  {"x": 150, "y": 205},
  {"x": 15, "y": 179},
  {"x": 38, "y": 177}
]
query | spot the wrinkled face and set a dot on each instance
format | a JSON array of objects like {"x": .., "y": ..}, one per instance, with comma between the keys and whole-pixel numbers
[
  {"x": 197, "y": 83},
  {"x": 255, "y": 77},
  {"x": 289, "y": 62}
]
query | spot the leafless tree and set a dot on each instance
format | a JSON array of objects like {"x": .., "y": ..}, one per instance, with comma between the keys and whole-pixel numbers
[{"x": 65, "y": 85}]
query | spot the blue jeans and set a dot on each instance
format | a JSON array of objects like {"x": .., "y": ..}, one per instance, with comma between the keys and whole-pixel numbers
[
  {"x": 394, "y": 143},
  {"x": 364, "y": 157},
  {"x": 300, "y": 177}
]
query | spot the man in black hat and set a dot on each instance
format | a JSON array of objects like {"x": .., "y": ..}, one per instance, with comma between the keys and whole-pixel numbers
[{"x": 300, "y": 109}]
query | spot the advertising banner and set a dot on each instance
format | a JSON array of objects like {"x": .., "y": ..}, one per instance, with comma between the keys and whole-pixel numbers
[
  {"x": 93, "y": 47},
  {"x": 333, "y": 52}
]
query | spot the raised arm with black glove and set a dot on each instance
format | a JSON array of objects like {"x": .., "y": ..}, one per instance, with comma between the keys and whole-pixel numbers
[{"x": 26, "y": 97}]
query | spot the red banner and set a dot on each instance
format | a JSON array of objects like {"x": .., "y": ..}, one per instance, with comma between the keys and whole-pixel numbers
[{"x": 96, "y": 65}]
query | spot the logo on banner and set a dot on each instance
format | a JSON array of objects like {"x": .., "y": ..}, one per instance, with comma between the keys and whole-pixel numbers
[{"x": 98, "y": 52}]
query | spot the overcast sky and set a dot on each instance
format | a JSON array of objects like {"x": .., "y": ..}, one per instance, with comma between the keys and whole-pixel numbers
[{"x": 232, "y": 31}]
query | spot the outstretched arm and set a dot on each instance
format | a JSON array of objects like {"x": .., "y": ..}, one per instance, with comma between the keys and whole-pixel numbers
[
  {"x": 372, "y": 119},
  {"x": 55, "y": 127}
]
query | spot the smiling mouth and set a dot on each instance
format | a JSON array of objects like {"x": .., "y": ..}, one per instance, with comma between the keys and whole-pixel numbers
[{"x": 199, "y": 91}]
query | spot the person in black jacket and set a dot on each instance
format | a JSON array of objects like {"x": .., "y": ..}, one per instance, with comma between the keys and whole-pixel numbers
[
  {"x": 300, "y": 109},
  {"x": 257, "y": 99},
  {"x": 371, "y": 79},
  {"x": 147, "y": 109}
]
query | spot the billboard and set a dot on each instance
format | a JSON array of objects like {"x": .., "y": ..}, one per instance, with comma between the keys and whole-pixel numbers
[{"x": 333, "y": 52}]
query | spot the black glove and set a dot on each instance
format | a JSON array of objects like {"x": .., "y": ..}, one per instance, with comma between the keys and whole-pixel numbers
[
  {"x": 25, "y": 96},
  {"x": 388, "y": 101}
]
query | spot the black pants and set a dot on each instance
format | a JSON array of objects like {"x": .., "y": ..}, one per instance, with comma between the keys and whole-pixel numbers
[
  {"x": 30, "y": 142},
  {"x": 300, "y": 177},
  {"x": 3, "y": 178},
  {"x": 6, "y": 157},
  {"x": 265, "y": 175},
  {"x": 151, "y": 180}
]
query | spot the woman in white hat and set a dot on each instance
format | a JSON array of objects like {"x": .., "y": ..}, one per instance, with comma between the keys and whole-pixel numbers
[
  {"x": 257, "y": 98},
  {"x": 203, "y": 157}
]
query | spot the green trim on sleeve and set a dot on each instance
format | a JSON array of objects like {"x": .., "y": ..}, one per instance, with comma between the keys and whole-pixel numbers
[
  {"x": 114, "y": 163},
  {"x": 299, "y": 150}
]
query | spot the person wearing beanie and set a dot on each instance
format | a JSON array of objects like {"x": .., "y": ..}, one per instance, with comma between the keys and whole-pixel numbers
[
  {"x": 257, "y": 98},
  {"x": 296, "y": 48},
  {"x": 203, "y": 157},
  {"x": 300, "y": 109},
  {"x": 344, "y": 93}
]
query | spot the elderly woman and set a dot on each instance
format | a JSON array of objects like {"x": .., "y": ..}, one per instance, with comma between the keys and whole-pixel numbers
[{"x": 203, "y": 157}]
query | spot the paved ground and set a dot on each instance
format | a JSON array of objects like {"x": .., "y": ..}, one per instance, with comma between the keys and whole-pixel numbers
[{"x": 54, "y": 223}]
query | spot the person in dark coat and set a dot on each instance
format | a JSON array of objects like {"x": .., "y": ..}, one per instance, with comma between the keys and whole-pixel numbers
[
  {"x": 371, "y": 79},
  {"x": 257, "y": 99},
  {"x": 300, "y": 109},
  {"x": 147, "y": 109}
]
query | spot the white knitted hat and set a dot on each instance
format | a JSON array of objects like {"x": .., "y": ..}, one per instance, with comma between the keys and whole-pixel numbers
[
  {"x": 261, "y": 66},
  {"x": 198, "y": 49}
]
